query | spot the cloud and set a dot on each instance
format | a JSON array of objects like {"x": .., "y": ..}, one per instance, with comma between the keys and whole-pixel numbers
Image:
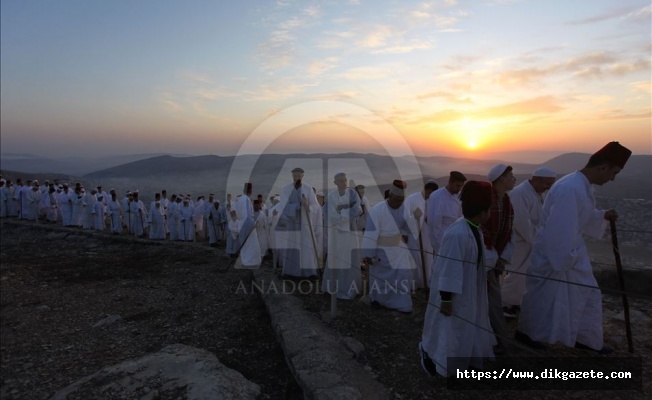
[
  {"x": 318, "y": 68},
  {"x": 278, "y": 91},
  {"x": 339, "y": 96},
  {"x": 644, "y": 86},
  {"x": 628, "y": 13},
  {"x": 445, "y": 95},
  {"x": 622, "y": 115},
  {"x": 537, "y": 105},
  {"x": 364, "y": 73}
]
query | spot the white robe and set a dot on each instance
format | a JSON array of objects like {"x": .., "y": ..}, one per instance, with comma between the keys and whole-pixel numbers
[
  {"x": 247, "y": 228},
  {"x": 390, "y": 277},
  {"x": 186, "y": 225},
  {"x": 156, "y": 220},
  {"x": 174, "y": 221},
  {"x": 114, "y": 209},
  {"x": 298, "y": 254},
  {"x": 553, "y": 310},
  {"x": 215, "y": 222},
  {"x": 32, "y": 200},
  {"x": 527, "y": 205},
  {"x": 4, "y": 196},
  {"x": 65, "y": 206},
  {"x": 342, "y": 274},
  {"x": 198, "y": 217},
  {"x": 466, "y": 334},
  {"x": 77, "y": 207},
  {"x": 98, "y": 216},
  {"x": 53, "y": 210},
  {"x": 443, "y": 209},
  {"x": 12, "y": 205},
  {"x": 138, "y": 217},
  {"x": 412, "y": 202},
  {"x": 264, "y": 220},
  {"x": 88, "y": 200}
]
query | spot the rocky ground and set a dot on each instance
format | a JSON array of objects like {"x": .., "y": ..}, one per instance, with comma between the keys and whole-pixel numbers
[{"x": 56, "y": 284}]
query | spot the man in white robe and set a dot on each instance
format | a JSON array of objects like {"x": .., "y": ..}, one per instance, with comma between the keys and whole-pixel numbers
[
  {"x": 18, "y": 198},
  {"x": 198, "y": 216},
  {"x": 98, "y": 214},
  {"x": 165, "y": 204},
  {"x": 114, "y": 209},
  {"x": 25, "y": 210},
  {"x": 138, "y": 216},
  {"x": 126, "y": 209},
  {"x": 263, "y": 222},
  {"x": 87, "y": 210},
  {"x": 156, "y": 221},
  {"x": 385, "y": 251},
  {"x": 527, "y": 200},
  {"x": 4, "y": 196},
  {"x": 44, "y": 205},
  {"x": 247, "y": 232},
  {"x": 456, "y": 330},
  {"x": 187, "y": 226},
  {"x": 419, "y": 238},
  {"x": 215, "y": 221},
  {"x": 499, "y": 246},
  {"x": 567, "y": 309},
  {"x": 32, "y": 202},
  {"x": 361, "y": 220},
  {"x": 443, "y": 208},
  {"x": 342, "y": 275},
  {"x": 77, "y": 207},
  {"x": 174, "y": 221},
  {"x": 299, "y": 255}
]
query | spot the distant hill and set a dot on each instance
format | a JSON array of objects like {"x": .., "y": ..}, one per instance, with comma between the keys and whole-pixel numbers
[{"x": 208, "y": 173}]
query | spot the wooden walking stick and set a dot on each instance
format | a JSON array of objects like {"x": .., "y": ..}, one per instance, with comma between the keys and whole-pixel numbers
[
  {"x": 621, "y": 280},
  {"x": 312, "y": 236}
]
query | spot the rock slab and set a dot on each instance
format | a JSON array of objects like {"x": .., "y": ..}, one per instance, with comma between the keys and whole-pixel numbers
[{"x": 176, "y": 368}]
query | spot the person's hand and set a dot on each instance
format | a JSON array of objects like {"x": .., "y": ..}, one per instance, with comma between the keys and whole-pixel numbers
[
  {"x": 611, "y": 215},
  {"x": 446, "y": 307}
]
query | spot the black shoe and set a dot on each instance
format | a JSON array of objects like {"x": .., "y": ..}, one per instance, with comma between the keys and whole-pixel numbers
[
  {"x": 426, "y": 362},
  {"x": 604, "y": 350},
  {"x": 525, "y": 339}
]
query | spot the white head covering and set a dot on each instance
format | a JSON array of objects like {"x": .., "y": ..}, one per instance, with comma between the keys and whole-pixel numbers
[{"x": 496, "y": 172}]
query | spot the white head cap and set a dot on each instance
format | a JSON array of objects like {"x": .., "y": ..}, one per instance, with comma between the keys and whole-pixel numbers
[{"x": 545, "y": 172}]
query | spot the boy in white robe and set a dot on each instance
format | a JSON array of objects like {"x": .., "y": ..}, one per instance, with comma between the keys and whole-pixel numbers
[
  {"x": 456, "y": 331},
  {"x": 559, "y": 303},
  {"x": 174, "y": 221},
  {"x": 232, "y": 237}
]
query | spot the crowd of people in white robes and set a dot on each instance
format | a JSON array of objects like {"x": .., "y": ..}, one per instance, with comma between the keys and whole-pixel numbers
[{"x": 478, "y": 268}]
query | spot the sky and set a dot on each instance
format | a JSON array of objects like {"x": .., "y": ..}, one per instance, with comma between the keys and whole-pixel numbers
[{"x": 446, "y": 77}]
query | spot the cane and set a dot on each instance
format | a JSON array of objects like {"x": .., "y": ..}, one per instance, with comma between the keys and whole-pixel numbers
[
  {"x": 621, "y": 280},
  {"x": 312, "y": 236}
]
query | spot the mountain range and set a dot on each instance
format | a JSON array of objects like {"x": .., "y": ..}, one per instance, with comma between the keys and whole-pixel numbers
[{"x": 268, "y": 172}]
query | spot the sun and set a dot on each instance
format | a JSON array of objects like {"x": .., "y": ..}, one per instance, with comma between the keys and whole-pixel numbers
[{"x": 471, "y": 133}]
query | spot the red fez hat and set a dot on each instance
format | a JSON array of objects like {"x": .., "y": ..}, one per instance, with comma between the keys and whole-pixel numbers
[
  {"x": 476, "y": 193},
  {"x": 248, "y": 187},
  {"x": 615, "y": 153}
]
